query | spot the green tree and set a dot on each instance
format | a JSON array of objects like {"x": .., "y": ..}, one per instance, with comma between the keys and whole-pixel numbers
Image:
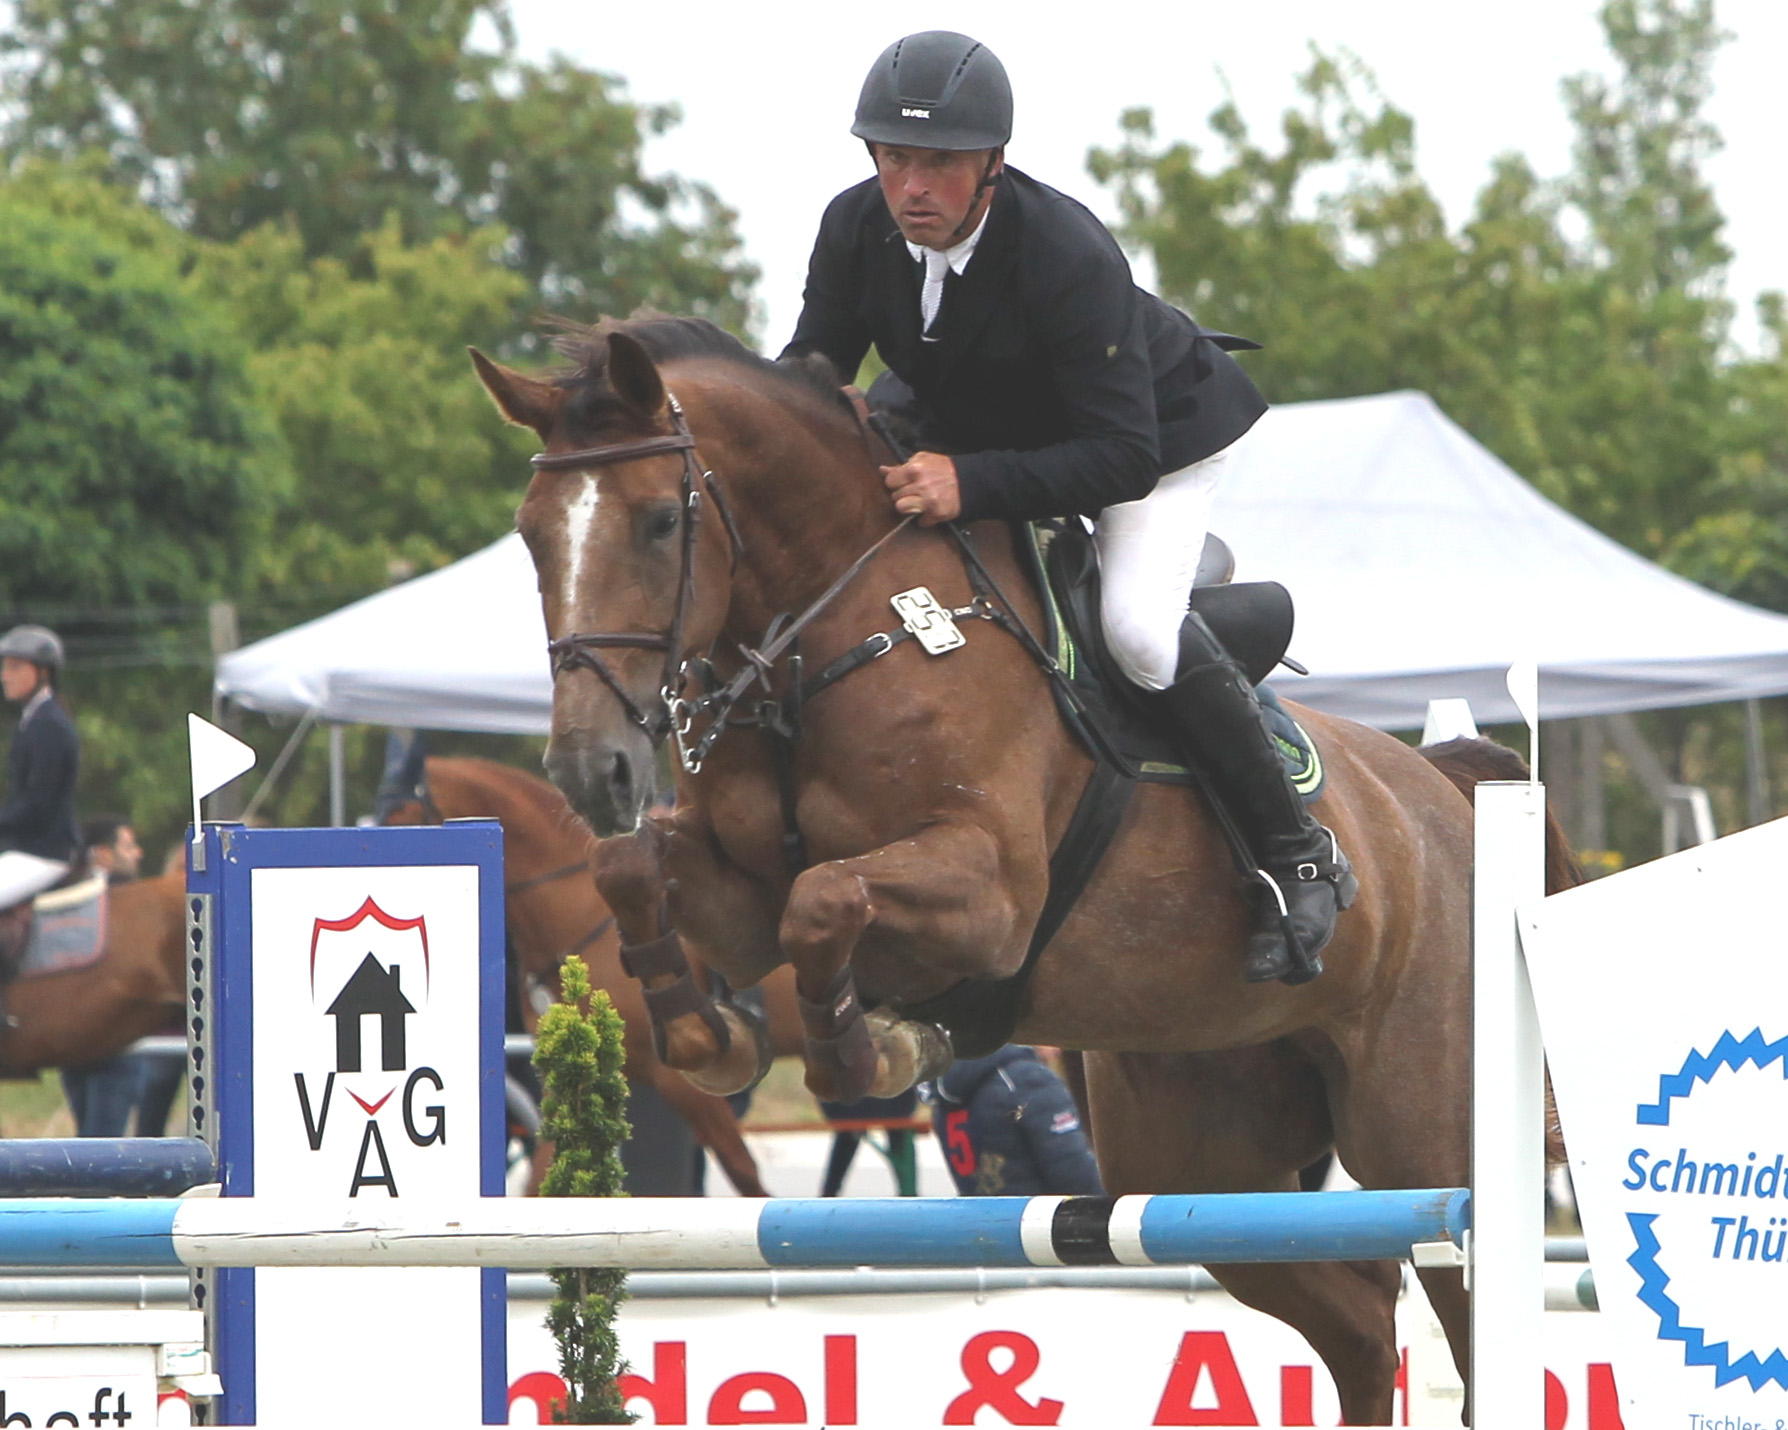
[
  {"x": 135, "y": 465},
  {"x": 583, "y": 1110},
  {"x": 361, "y": 365},
  {"x": 335, "y": 114},
  {"x": 1576, "y": 326}
]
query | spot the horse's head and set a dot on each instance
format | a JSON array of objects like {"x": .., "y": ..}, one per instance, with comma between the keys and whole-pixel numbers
[{"x": 631, "y": 578}]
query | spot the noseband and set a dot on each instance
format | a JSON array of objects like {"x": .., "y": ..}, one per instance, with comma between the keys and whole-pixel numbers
[{"x": 577, "y": 651}]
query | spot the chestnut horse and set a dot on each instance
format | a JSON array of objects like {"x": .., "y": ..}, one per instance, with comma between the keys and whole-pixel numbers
[
  {"x": 691, "y": 497},
  {"x": 553, "y": 910},
  {"x": 85, "y": 1015}
]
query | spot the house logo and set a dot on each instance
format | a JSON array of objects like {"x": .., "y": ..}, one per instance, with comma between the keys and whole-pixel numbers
[
  {"x": 1706, "y": 1203},
  {"x": 357, "y": 979},
  {"x": 379, "y": 992}
]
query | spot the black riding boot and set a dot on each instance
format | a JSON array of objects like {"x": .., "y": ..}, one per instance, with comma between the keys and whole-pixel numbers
[{"x": 1307, "y": 879}]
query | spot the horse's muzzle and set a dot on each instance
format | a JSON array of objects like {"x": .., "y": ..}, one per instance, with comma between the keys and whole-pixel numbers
[{"x": 609, "y": 782}]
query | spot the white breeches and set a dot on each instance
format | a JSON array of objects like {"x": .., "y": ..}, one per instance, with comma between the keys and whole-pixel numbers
[
  {"x": 1148, "y": 555},
  {"x": 24, "y": 876}
]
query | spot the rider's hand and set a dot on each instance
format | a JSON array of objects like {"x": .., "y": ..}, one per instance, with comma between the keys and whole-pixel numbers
[{"x": 925, "y": 487}]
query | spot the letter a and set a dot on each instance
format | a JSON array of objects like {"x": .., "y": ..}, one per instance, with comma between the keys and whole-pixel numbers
[
  {"x": 1200, "y": 1351},
  {"x": 373, "y": 1142}
]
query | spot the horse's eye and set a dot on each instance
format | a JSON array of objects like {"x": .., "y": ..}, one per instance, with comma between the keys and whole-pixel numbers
[{"x": 663, "y": 522}]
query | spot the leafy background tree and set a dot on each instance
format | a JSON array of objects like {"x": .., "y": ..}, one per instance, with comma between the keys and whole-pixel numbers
[
  {"x": 1576, "y": 325},
  {"x": 278, "y": 227}
]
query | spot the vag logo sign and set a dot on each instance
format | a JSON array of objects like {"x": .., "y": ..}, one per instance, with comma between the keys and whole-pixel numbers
[{"x": 357, "y": 981}]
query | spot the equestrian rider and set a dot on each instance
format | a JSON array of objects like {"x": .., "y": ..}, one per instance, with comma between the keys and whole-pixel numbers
[
  {"x": 1048, "y": 385},
  {"x": 39, "y": 837}
]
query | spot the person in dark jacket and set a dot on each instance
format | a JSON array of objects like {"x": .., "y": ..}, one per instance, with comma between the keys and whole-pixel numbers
[
  {"x": 1045, "y": 383},
  {"x": 39, "y": 837},
  {"x": 1009, "y": 1128}
]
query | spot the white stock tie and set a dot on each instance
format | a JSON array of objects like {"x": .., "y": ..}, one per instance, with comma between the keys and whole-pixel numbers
[{"x": 931, "y": 296}]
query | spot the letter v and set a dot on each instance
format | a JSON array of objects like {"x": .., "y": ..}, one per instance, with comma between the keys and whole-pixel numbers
[{"x": 313, "y": 1127}]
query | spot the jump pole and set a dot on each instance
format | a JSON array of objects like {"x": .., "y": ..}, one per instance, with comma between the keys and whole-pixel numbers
[
  {"x": 681, "y": 1233},
  {"x": 1505, "y": 1266}
]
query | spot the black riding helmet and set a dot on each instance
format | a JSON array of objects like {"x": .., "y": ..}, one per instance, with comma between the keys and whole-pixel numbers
[{"x": 936, "y": 90}]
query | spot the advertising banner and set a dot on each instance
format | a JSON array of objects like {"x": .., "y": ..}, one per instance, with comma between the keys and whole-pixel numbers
[{"x": 1664, "y": 1005}]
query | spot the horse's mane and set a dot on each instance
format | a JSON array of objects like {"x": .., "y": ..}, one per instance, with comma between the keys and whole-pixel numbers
[{"x": 593, "y": 404}]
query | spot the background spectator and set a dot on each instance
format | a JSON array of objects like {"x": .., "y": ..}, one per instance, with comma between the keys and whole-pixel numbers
[{"x": 1009, "y": 1128}]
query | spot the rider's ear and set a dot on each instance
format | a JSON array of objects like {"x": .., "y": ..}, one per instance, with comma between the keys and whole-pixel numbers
[
  {"x": 633, "y": 375},
  {"x": 525, "y": 401}
]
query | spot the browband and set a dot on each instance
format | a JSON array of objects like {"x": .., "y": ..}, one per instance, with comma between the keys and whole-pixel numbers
[{"x": 613, "y": 452}]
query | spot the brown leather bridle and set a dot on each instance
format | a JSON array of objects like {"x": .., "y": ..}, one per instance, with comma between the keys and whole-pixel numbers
[{"x": 577, "y": 650}]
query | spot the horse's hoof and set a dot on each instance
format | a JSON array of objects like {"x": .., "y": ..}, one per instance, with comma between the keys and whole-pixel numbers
[
  {"x": 906, "y": 1052},
  {"x": 841, "y": 1069},
  {"x": 747, "y": 1058}
]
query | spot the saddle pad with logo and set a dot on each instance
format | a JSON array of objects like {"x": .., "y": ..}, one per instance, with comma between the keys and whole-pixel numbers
[
  {"x": 1063, "y": 566},
  {"x": 68, "y": 929}
]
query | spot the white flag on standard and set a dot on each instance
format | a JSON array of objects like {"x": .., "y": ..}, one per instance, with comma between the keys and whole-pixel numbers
[{"x": 217, "y": 758}]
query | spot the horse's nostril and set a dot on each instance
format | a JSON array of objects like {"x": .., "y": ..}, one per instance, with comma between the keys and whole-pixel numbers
[{"x": 621, "y": 779}]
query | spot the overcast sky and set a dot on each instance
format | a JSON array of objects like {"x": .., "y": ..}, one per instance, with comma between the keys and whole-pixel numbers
[{"x": 767, "y": 89}]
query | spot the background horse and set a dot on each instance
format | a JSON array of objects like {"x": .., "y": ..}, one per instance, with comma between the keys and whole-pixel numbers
[
  {"x": 137, "y": 984},
  {"x": 553, "y": 911},
  {"x": 924, "y": 795}
]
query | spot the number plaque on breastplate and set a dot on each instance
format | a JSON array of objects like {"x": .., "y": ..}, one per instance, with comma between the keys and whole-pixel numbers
[{"x": 933, "y": 626}]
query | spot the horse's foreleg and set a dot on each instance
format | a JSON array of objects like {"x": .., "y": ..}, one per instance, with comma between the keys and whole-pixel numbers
[
  {"x": 717, "y": 1046},
  {"x": 942, "y": 892}
]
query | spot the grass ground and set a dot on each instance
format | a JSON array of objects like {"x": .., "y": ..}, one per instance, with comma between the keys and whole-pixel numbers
[{"x": 35, "y": 1107}]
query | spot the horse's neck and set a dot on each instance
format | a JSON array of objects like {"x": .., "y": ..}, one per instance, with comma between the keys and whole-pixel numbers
[{"x": 808, "y": 502}]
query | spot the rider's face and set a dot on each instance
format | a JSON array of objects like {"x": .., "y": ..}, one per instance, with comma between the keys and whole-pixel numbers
[
  {"x": 931, "y": 192},
  {"x": 18, "y": 678}
]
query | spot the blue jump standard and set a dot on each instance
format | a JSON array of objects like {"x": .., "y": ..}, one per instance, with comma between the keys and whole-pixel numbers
[{"x": 967, "y": 1231}]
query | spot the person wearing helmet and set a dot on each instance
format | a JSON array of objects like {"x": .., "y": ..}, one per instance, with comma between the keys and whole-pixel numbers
[
  {"x": 1045, "y": 383},
  {"x": 39, "y": 837}
]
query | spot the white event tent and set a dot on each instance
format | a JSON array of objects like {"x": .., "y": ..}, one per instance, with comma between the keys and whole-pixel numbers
[{"x": 1422, "y": 567}]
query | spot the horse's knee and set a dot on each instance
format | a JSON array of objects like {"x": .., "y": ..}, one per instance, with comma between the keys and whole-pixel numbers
[{"x": 827, "y": 908}]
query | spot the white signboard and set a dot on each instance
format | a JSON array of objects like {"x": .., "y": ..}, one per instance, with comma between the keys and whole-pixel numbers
[
  {"x": 1663, "y": 997},
  {"x": 357, "y": 1000}
]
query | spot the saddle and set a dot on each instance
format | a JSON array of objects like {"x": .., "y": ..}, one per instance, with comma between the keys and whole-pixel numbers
[
  {"x": 1115, "y": 720},
  {"x": 60, "y": 929}
]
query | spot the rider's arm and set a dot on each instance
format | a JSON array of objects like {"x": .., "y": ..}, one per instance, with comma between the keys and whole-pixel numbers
[
  {"x": 1085, "y": 310},
  {"x": 830, "y": 321}
]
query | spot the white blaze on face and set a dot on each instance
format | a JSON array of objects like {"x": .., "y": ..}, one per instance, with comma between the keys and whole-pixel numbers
[{"x": 580, "y": 515}]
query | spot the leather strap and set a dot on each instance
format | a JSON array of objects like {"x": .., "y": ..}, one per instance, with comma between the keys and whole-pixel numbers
[
  {"x": 655, "y": 958},
  {"x": 613, "y": 452}
]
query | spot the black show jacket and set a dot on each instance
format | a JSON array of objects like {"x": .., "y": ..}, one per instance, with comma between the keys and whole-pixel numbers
[
  {"x": 38, "y": 813},
  {"x": 1059, "y": 385}
]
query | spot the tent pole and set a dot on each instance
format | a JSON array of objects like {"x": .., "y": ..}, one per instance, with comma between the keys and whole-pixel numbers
[
  {"x": 1592, "y": 828},
  {"x": 1756, "y": 768},
  {"x": 338, "y": 777}
]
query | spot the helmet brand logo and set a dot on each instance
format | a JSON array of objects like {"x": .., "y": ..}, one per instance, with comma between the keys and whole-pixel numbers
[{"x": 915, "y": 114}]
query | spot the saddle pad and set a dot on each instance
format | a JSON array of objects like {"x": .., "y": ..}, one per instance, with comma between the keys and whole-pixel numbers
[
  {"x": 68, "y": 929},
  {"x": 1062, "y": 565}
]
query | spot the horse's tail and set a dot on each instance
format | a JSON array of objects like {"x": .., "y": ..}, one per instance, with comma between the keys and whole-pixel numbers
[{"x": 1467, "y": 761}]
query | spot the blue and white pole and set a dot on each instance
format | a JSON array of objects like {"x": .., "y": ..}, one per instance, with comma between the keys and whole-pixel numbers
[{"x": 691, "y": 1234}]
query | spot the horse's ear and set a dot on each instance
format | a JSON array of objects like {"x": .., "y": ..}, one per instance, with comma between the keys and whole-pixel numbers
[
  {"x": 633, "y": 375},
  {"x": 525, "y": 401}
]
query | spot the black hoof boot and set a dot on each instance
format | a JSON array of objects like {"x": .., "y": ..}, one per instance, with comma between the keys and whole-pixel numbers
[{"x": 1298, "y": 908}]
